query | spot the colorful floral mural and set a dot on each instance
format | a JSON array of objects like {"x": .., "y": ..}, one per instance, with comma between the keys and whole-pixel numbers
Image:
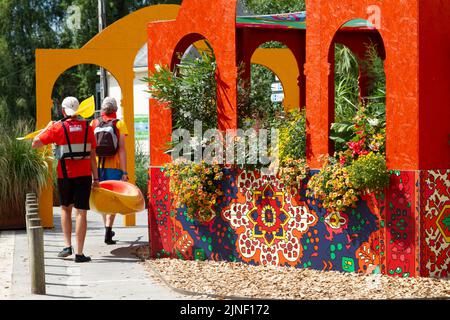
[
  {"x": 268, "y": 221},
  {"x": 259, "y": 222}
]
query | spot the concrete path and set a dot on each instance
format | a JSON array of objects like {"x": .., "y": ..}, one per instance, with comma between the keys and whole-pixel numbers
[
  {"x": 114, "y": 273},
  {"x": 6, "y": 262}
]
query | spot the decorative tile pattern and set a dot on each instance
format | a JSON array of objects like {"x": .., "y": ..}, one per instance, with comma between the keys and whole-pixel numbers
[
  {"x": 435, "y": 223},
  {"x": 402, "y": 225}
]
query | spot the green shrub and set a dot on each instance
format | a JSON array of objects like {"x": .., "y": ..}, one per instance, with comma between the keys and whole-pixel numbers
[
  {"x": 369, "y": 173},
  {"x": 141, "y": 164},
  {"x": 292, "y": 135},
  {"x": 190, "y": 90}
]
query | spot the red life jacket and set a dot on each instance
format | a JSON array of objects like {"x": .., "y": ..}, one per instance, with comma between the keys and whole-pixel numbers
[{"x": 77, "y": 146}]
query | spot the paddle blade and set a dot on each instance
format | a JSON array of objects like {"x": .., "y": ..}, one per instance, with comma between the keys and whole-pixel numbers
[
  {"x": 30, "y": 135},
  {"x": 87, "y": 108}
]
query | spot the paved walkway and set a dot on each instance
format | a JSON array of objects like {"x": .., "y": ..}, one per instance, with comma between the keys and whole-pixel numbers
[{"x": 114, "y": 273}]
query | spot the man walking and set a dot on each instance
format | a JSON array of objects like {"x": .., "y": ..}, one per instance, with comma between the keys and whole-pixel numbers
[{"x": 75, "y": 151}]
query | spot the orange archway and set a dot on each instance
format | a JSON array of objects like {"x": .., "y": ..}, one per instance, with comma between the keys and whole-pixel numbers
[
  {"x": 282, "y": 62},
  {"x": 113, "y": 49}
]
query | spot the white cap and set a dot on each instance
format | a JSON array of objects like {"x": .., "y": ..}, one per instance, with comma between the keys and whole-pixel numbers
[{"x": 70, "y": 105}]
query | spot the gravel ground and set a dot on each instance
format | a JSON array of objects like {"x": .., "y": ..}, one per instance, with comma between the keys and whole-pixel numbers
[{"x": 226, "y": 280}]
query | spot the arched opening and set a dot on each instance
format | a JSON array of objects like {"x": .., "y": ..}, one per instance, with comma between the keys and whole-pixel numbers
[
  {"x": 141, "y": 121},
  {"x": 357, "y": 88},
  {"x": 193, "y": 98},
  {"x": 189, "y": 87},
  {"x": 273, "y": 99},
  {"x": 80, "y": 81},
  {"x": 273, "y": 79}
]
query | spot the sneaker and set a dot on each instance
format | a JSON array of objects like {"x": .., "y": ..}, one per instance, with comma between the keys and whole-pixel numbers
[
  {"x": 65, "y": 252},
  {"x": 82, "y": 258}
]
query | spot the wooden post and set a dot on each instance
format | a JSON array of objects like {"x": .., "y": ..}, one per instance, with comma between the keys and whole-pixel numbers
[
  {"x": 30, "y": 206},
  {"x": 31, "y": 196},
  {"x": 34, "y": 222},
  {"x": 37, "y": 259},
  {"x": 32, "y": 214}
]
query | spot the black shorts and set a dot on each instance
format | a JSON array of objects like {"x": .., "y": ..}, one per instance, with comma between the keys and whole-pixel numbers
[{"x": 76, "y": 192}]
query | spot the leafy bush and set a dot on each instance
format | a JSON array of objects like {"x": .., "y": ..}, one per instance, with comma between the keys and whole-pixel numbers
[
  {"x": 190, "y": 91},
  {"x": 369, "y": 173},
  {"x": 255, "y": 107},
  {"x": 346, "y": 77},
  {"x": 272, "y": 7},
  {"x": 292, "y": 135},
  {"x": 366, "y": 133},
  {"x": 347, "y": 101},
  {"x": 23, "y": 169},
  {"x": 141, "y": 164}
]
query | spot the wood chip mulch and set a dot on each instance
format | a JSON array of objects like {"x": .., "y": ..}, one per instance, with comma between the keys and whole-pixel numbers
[{"x": 238, "y": 280}]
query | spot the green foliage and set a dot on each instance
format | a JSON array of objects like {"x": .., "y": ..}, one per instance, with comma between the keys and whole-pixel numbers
[
  {"x": 273, "y": 7},
  {"x": 28, "y": 25},
  {"x": 292, "y": 135},
  {"x": 346, "y": 83},
  {"x": 348, "y": 107},
  {"x": 24, "y": 27},
  {"x": 369, "y": 173},
  {"x": 375, "y": 69},
  {"x": 141, "y": 164},
  {"x": 190, "y": 91},
  {"x": 23, "y": 169},
  {"x": 255, "y": 105}
]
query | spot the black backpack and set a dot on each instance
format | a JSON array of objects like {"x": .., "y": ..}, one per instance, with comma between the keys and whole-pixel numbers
[{"x": 107, "y": 137}]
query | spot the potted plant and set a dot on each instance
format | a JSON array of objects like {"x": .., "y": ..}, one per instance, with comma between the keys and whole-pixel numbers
[{"x": 23, "y": 170}]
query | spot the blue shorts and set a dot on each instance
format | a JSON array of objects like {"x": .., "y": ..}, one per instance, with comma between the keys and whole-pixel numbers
[{"x": 110, "y": 174}]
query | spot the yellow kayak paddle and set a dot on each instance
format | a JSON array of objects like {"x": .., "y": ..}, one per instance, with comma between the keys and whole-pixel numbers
[{"x": 86, "y": 110}]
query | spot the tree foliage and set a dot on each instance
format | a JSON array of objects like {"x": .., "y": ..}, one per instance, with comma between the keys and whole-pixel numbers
[
  {"x": 26, "y": 25},
  {"x": 272, "y": 7}
]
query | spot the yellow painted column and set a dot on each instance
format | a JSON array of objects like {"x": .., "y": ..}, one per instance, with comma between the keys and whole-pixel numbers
[
  {"x": 43, "y": 117},
  {"x": 128, "y": 112}
]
